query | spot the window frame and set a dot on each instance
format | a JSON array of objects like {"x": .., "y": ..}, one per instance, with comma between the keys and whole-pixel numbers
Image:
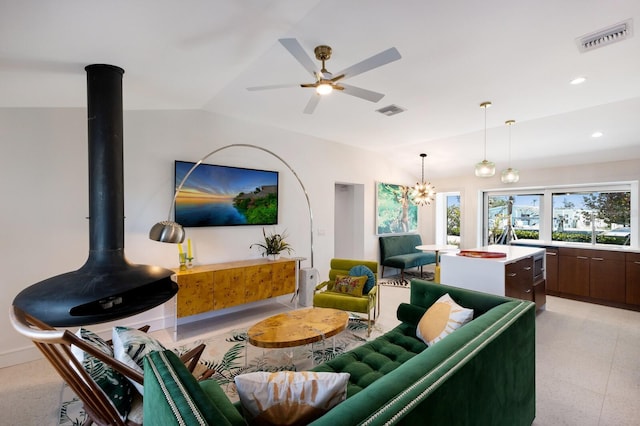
[{"x": 546, "y": 206}]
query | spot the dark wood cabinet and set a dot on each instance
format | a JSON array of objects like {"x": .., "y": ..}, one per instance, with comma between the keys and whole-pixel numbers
[
  {"x": 607, "y": 276},
  {"x": 573, "y": 272},
  {"x": 632, "y": 269},
  {"x": 524, "y": 279},
  {"x": 518, "y": 281},
  {"x": 593, "y": 274},
  {"x": 552, "y": 258}
]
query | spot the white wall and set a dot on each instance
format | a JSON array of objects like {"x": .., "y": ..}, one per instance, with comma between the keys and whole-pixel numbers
[{"x": 43, "y": 168}]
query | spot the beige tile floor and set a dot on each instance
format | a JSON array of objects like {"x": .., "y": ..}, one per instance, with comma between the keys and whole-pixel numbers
[
  {"x": 588, "y": 365},
  {"x": 587, "y": 361}
]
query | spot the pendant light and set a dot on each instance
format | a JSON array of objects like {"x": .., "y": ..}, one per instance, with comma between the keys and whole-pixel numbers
[
  {"x": 485, "y": 168},
  {"x": 423, "y": 193},
  {"x": 510, "y": 175}
]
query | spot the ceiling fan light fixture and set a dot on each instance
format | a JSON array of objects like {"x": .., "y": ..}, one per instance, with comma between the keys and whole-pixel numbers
[
  {"x": 324, "y": 89},
  {"x": 485, "y": 168},
  {"x": 423, "y": 193}
]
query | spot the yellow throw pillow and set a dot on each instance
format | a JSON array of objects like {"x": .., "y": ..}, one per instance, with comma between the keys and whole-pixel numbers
[
  {"x": 441, "y": 319},
  {"x": 288, "y": 397},
  {"x": 346, "y": 284}
]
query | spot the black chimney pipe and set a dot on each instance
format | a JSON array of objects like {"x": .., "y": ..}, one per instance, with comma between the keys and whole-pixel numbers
[{"x": 107, "y": 287}]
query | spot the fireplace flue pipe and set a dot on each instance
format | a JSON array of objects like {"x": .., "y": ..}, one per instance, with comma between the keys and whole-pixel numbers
[{"x": 107, "y": 287}]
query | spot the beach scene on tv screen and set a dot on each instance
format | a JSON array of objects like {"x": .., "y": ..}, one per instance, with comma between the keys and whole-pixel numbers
[{"x": 225, "y": 196}]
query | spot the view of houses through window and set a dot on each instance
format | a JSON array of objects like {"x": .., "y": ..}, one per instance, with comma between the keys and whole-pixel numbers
[
  {"x": 595, "y": 217},
  {"x": 592, "y": 217},
  {"x": 513, "y": 217}
]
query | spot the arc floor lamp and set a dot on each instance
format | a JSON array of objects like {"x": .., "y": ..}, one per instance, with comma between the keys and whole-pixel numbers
[{"x": 169, "y": 231}]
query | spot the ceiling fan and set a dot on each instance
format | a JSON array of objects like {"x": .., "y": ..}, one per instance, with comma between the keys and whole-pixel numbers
[{"x": 325, "y": 82}]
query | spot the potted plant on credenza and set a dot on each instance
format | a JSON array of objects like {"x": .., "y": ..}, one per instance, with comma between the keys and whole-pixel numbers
[{"x": 273, "y": 244}]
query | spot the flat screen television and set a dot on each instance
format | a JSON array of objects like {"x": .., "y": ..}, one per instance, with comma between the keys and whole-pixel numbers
[{"x": 225, "y": 196}]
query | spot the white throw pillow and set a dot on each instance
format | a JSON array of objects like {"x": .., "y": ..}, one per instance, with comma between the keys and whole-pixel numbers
[
  {"x": 130, "y": 345},
  {"x": 288, "y": 397},
  {"x": 115, "y": 385},
  {"x": 441, "y": 319}
]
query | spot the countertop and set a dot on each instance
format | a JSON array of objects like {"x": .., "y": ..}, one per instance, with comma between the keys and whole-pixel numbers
[
  {"x": 567, "y": 244},
  {"x": 513, "y": 252}
]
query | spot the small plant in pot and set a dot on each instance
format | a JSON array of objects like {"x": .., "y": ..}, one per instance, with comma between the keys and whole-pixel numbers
[{"x": 273, "y": 245}]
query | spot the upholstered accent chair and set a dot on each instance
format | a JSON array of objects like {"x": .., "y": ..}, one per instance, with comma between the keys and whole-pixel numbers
[
  {"x": 327, "y": 295},
  {"x": 56, "y": 345}
]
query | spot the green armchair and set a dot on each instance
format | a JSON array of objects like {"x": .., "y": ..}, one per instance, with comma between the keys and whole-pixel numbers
[{"x": 347, "y": 302}]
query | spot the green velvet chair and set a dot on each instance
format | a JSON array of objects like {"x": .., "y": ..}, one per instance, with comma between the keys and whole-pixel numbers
[{"x": 346, "y": 302}]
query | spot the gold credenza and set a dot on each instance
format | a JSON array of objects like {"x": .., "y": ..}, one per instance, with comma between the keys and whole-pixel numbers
[{"x": 206, "y": 288}]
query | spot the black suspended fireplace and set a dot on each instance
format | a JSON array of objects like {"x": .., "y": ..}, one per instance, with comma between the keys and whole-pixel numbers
[{"x": 107, "y": 287}]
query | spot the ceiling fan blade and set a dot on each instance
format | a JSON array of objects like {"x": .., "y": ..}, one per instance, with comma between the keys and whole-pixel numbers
[
  {"x": 375, "y": 61},
  {"x": 295, "y": 48},
  {"x": 272, "y": 86},
  {"x": 365, "y": 94},
  {"x": 312, "y": 104}
]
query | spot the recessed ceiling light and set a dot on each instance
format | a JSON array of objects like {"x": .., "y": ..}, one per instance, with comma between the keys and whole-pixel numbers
[
  {"x": 578, "y": 80},
  {"x": 596, "y": 134}
]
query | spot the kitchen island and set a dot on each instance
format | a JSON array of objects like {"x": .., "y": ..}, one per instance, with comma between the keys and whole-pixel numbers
[{"x": 520, "y": 273}]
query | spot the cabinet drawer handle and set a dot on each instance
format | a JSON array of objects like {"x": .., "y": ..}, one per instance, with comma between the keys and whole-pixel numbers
[
  {"x": 527, "y": 268},
  {"x": 551, "y": 254},
  {"x": 597, "y": 258},
  {"x": 528, "y": 291},
  {"x": 511, "y": 275},
  {"x": 636, "y": 262},
  {"x": 582, "y": 257}
]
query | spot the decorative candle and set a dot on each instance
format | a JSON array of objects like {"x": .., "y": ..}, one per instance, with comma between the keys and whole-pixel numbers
[
  {"x": 179, "y": 248},
  {"x": 189, "y": 248}
]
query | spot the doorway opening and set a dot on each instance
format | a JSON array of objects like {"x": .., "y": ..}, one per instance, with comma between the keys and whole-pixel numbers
[{"x": 349, "y": 221}]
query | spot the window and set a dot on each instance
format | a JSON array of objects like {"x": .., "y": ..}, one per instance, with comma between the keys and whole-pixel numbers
[
  {"x": 600, "y": 214},
  {"x": 453, "y": 220},
  {"x": 592, "y": 217},
  {"x": 513, "y": 216},
  {"x": 447, "y": 218}
]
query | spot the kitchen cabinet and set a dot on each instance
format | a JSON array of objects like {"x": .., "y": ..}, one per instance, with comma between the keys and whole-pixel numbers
[
  {"x": 632, "y": 269},
  {"x": 519, "y": 279},
  {"x": 594, "y": 274},
  {"x": 573, "y": 272},
  {"x": 551, "y": 268}
]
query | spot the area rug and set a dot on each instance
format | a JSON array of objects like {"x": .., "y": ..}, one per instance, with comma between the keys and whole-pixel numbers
[
  {"x": 397, "y": 281},
  {"x": 230, "y": 354}
]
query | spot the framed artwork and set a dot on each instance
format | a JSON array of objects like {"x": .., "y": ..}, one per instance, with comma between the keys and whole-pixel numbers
[
  {"x": 225, "y": 196},
  {"x": 395, "y": 213}
]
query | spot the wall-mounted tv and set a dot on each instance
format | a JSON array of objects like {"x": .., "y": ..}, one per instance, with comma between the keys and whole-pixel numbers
[{"x": 225, "y": 196}]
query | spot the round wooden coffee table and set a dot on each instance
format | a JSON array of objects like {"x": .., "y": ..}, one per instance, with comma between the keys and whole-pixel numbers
[{"x": 297, "y": 328}]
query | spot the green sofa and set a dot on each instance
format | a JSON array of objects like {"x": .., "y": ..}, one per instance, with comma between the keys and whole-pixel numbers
[
  {"x": 399, "y": 251},
  {"x": 481, "y": 374}
]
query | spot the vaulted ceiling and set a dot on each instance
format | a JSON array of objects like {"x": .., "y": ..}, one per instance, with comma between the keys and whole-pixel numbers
[{"x": 203, "y": 54}]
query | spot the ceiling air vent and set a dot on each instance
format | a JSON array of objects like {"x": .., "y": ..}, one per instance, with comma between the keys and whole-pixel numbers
[
  {"x": 617, "y": 32},
  {"x": 391, "y": 110}
]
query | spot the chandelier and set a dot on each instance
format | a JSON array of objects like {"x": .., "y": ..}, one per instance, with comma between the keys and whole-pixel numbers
[
  {"x": 510, "y": 175},
  {"x": 485, "y": 168},
  {"x": 423, "y": 192}
]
